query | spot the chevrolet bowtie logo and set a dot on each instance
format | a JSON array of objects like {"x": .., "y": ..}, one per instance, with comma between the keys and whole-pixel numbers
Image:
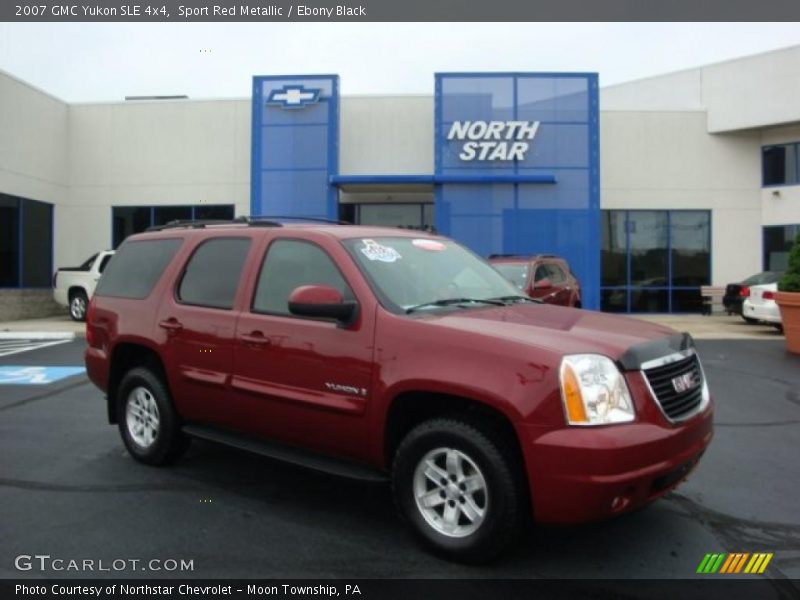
[{"x": 293, "y": 96}]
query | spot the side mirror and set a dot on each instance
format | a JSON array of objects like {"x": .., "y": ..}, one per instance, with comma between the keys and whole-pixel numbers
[
  {"x": 543, "y": 284},
  {"x": 322, "y": 302}
]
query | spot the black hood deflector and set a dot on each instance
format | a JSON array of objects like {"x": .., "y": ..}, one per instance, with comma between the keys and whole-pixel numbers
[{"x": 635, "y": 356}]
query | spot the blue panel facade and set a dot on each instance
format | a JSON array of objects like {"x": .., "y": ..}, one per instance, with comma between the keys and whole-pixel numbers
[
  {"x": 295, "y": 146},
  {"x": 510, "y": 213}
]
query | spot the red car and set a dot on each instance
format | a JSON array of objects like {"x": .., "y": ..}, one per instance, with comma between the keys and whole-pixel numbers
[
  {"x": 389, "y": 354},
  {"x": 545, "y": 277}
]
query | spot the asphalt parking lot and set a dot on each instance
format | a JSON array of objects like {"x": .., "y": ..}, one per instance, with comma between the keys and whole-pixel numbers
[{"x": 68, "y": 489}]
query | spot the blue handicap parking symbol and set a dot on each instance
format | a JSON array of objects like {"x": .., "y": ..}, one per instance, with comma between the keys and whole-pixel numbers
[{"x": 18, "y": 375}]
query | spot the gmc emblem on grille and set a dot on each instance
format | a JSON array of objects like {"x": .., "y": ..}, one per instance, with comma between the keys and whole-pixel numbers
[{"x": 684, "y": 382}]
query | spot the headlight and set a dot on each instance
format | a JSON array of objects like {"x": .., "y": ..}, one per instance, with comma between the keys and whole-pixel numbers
[{"x": 594, "y": 392}]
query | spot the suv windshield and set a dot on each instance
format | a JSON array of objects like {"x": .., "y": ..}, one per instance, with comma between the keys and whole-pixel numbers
[
  {"x": 428, "y": 274},
  {"x": 516, "y": 273}
]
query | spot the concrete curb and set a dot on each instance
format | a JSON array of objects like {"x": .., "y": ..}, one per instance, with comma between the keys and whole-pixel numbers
[{"x": 37, "y": 335}]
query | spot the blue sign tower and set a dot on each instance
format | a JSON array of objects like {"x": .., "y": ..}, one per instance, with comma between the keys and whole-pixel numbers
[
  {"x": 295, "y": 146},
  {"x": 542, "y": 196}
]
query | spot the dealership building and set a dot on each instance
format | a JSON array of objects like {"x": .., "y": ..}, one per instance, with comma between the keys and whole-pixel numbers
[{"x": 650, "y": 189}]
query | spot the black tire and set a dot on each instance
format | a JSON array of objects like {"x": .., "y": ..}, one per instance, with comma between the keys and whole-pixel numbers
[
  {"x": 78, "y": 305},
  {"x": 505, "y": 501},
  {"x": 168, "y": 441},
  {"x": 750, "y": 321}
]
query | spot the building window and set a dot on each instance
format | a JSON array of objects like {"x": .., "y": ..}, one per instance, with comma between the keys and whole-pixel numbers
[
  {"x": 26, "y": 242},
  {"x": 654, "y": 260},
  {"x": 127, "y": 220},
  {"x": 780, "y": 164},
  {"x": 394, "y": 214},
  {"x": 778, "y": 241}
]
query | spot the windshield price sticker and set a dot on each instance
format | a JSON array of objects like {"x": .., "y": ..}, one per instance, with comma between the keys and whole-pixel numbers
[
  {"x": 375, "y": 251},
  {"x": 430, "y": 245}
]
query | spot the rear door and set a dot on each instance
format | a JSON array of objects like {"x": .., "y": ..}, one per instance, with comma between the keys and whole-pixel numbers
[
  {"x": 197, "y": 321},
  {"x": 300, "y": 380}
]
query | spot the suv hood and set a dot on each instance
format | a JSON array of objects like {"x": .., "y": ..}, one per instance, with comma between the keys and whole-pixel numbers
[{"x": 570, "y": 331}]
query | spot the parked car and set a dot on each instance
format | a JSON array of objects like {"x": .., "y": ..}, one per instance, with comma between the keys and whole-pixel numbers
[
  {"x": 74, "y": 286},
  {"x": 381, "y": 354},
  {"x": 760, "y": 305},
  {"x": 545, "y": 277},
  {"x": 735, "y": 293}
]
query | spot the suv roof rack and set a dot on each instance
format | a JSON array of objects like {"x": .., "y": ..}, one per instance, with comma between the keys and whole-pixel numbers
[
  {"x": 259, "y": 218},
  {"x": 524, "y": 256},
  {"x": 254, "y": 221}
]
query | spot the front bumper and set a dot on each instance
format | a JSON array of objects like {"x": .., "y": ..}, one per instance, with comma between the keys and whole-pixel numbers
[{"x": 592, "y": 473}]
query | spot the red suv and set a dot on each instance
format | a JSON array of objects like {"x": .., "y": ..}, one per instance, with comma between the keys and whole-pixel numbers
[
  {"x": 389, "y": 354},
  {"x": 545, "y": 277}
]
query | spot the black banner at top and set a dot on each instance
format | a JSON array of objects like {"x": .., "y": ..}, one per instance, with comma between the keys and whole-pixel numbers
[{"x": 238, "y": 11}]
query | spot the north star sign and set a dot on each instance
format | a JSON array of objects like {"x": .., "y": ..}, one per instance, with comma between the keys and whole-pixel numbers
[{"x": 493, "y": 140}]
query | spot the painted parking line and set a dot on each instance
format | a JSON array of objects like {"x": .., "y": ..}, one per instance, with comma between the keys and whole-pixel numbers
[
  {"x": 19, "y": 375},
  {"x": 15, "y": 346}
]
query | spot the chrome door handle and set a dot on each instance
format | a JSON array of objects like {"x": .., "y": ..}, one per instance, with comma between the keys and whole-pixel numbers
[
  {"x": 172, "y": 324},
  {"x": 255, "y": 338}
]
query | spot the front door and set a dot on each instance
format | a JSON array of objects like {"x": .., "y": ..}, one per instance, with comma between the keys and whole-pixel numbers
[{"x": 303, "y": 381}]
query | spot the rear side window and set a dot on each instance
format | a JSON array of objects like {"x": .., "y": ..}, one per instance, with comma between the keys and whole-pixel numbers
[
  {"x": 290, "y": 264},
  {"x": 212, "y": 275},
  {"x": 136, "y": 268}
]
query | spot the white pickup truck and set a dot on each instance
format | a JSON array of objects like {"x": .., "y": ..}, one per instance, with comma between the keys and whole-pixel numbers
[{"x": 74, "y": 286}]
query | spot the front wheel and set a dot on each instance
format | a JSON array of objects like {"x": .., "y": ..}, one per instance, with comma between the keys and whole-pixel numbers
[
  {"x": 148, "y": 422},
  {"x": 457, "y": 485}
]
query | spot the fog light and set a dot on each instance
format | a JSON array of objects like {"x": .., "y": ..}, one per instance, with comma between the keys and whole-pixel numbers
[{"x": 621, "y": 502}]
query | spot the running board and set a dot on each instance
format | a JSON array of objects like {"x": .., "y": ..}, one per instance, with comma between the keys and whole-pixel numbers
[{"x": 289, "y": 454}]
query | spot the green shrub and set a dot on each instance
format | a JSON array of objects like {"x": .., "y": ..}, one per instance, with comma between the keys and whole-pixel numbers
[{"x": 790, "y": 282}]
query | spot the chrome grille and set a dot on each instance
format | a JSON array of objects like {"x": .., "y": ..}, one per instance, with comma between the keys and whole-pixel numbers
[{"x": 667, "y": 381}]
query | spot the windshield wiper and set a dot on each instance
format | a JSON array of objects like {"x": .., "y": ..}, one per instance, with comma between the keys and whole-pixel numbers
[
  {"x": 508, "y": 299},
  {"x": 452, "y": 301}
]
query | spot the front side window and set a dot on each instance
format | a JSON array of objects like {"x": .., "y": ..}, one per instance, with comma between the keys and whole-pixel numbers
[
  {"x": 556, "y": 275},
  {"x": 290, "y": 264},
  {"x": 212, "y": 275},
  {"x": 407, "y": 272}
]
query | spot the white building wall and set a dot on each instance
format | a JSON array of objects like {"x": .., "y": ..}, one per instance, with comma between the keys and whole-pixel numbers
[
  {"x": 675, "y": 91},
  {"x": 667, "y": 160},
  {"x": 33, "y": 139},
  {"x": 386, "y": 135},
  {"x": 780, "y": 205},
  {"x": 755, "y": 91},
  {"x": 173, "y": 152},
  {"x": 746, "y": 93}
]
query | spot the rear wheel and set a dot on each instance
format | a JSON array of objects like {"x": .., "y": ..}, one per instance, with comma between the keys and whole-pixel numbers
[
  {"x": 749, "y": 321},
  {"x": 148, "y": 423},
  {"x": 457, "y": 485},
  {"x": 78, "y": 303}
]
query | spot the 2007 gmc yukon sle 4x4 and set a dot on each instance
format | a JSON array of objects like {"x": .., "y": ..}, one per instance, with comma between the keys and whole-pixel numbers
[{"x": 377, "y": 352}]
